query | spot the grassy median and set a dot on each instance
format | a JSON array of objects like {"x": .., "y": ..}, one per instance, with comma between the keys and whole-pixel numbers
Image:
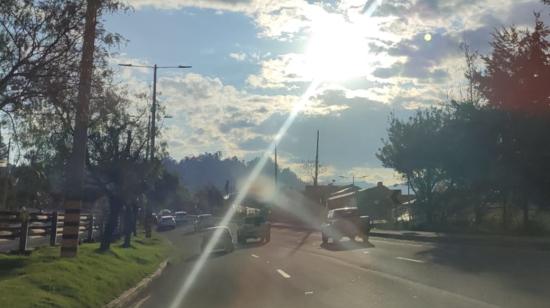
[{"x": 90, "y": 280}]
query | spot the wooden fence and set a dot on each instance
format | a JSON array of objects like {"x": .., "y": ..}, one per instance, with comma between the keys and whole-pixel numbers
[{"x": 23, "y": 225}]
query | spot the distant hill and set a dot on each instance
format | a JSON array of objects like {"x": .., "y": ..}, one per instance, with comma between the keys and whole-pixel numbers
[{"x": 206, "y": 169}]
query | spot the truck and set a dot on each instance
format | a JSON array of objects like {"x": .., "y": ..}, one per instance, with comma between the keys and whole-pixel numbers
[
  {"x": 256, "y": 227},
  {"x": 345, "y": 222}
]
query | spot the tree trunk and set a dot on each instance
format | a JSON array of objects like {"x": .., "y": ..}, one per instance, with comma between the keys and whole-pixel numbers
[
  {"x": 111, "y": 225},
  {"x": 77, "y": 163},
  {"x": 525, "y": 208},
  {"x": 148, "y": 221},
  {"x": 505, "y": 214},
  {"x": 134, "y": 219},
  {"x": 128, "y": 226},
  {"x": 478, "y": 214}
]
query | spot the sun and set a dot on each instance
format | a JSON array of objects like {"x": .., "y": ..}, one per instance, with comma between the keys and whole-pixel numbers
[{"x": 336, "y": 51}]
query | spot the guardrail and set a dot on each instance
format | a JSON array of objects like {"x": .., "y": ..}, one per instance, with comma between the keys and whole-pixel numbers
[{"x": 22, "y": 225}]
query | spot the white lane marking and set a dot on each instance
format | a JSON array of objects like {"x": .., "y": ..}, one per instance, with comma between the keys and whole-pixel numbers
[
  {"x": 282, "y": 273},
  {"x": 267, "y": 261},
  {"x": 411, "y": 260},
  {"x": 308, "y": 292},
  {"x": 366, "y": 252},
  {"x": 254, "y": 256}
]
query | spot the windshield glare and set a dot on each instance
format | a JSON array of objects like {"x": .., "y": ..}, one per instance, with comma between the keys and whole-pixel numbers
[{"x": 290, "y": 153}]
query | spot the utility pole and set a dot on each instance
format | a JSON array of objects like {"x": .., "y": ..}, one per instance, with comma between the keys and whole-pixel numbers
[
  {"x": 153, "y": 114},
  {"x": 276, "y": 168},
  {"x": 75, "y": 173},
  {"x": 148, "y": 138},
  {"x": 316, "y": 178}
]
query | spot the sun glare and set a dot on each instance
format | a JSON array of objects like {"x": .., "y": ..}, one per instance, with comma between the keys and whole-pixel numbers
[{"x": 337, "y": 50}]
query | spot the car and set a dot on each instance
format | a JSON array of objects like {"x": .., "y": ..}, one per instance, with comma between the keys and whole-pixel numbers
[
  {"x": 181, "y": 217},
  {"x": 203, "y": 221},
  {"x": 165, "y": 212},
  {"x": 254, "y": 227},
  {"x": 224, "y": 243},
  {"x": 166, "y": 222},
  {"x": 345, "y": 222}
]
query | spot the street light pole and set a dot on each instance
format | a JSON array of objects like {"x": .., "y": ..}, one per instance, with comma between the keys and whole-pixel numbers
[{"x": 151, "y": 151}]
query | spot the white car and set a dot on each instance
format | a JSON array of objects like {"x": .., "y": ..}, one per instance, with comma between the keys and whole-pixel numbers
[
  {"x": 166, "y": 222},
  {"x": 224, "y": 243}
]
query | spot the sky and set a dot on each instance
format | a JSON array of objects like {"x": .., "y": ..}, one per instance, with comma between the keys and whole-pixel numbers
[{"x": 253, "y": 59}]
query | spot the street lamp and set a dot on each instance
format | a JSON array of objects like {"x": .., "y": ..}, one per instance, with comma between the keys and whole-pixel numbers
[{"x": 154, "y": 103}]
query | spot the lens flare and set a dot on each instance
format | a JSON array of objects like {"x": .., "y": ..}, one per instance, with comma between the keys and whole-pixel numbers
[
  {"x": 369, "y": 8},
  {"x": 199, "y": 264}
]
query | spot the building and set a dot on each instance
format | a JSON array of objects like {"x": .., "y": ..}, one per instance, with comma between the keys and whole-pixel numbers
[
  {"x": 378, "y": 202},
  {"x": 345, "y": 197}
]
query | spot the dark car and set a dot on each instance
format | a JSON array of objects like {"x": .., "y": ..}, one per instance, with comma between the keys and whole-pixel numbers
[{"x": 345, "y": 222}]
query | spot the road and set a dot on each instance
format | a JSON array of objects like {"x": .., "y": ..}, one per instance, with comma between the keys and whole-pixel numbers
[{"x": 293, "y": 270}]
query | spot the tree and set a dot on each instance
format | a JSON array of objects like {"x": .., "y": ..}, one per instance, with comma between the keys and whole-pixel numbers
[
  {"x": 514, "y": 85},
  {"x": 40, "y": 43},
  {"x": 414, "y": 149},
  {"x": 209, "y": 198},
  {"x": 116, "y": 162},
  {"x": 308, "y": 166},
  {"x": 517, "y": 70}
]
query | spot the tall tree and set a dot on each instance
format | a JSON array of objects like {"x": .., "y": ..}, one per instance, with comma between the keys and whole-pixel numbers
[
  {"x": 514, "y": 83},
  {"x": 414, "y": 149}
]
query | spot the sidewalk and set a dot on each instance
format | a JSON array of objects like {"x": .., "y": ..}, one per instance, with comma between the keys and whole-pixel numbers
[
  {"x": 436, "y": 237},
  {"x": 444, "y": 238}
]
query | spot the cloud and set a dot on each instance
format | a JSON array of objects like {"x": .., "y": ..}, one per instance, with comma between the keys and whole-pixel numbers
[
  {"x": 280, "y": 72},
  {"x": 408, "y": 73},
  {"x": 239, "y": 56},
  {"x": 281, "y": 19},
  {"x": 257, "y": 143}
]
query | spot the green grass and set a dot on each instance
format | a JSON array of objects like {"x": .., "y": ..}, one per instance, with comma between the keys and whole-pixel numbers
[{"x": 90, "y": 280}]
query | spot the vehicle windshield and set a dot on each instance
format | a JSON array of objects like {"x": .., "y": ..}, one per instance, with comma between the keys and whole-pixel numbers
[
  {"x": 346, "y": 153},
  {"x": 344, "y": 213}
]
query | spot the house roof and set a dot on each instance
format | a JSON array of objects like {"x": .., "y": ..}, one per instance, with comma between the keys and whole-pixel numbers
[{"x": 340, "y": 196}]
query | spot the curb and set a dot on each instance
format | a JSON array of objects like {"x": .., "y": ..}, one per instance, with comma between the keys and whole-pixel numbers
[
  {"x": 453, "y": 239},
  {"x": 517, "y": 242},
  {"x": 131, "y": 294}
]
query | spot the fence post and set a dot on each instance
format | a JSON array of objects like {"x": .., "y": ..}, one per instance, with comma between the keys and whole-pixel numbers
[
  {"x": 91, "y": 222},
  {"x": 23, "y": 232},
  {"x": 53, "y": 229}
]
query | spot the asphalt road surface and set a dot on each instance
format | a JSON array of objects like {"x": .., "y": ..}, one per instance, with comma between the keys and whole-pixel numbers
[{"x": 293, "y": 270}]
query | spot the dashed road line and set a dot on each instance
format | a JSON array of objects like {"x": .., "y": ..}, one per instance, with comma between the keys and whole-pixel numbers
[
  {"x": 254, "y": 256},
  {"x": 410, "y": 260},
  {"x": 282, "y": 273}
]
